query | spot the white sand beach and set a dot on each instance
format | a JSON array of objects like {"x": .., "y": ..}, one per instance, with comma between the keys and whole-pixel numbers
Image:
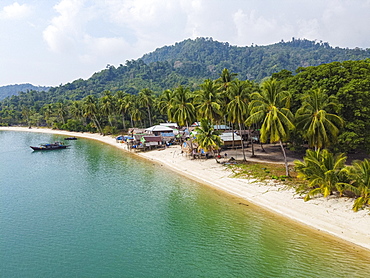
[{"x": 332, "y": 215}]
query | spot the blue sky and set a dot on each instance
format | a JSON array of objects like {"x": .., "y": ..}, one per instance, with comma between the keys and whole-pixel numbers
[{"x": 53, "y": 42}]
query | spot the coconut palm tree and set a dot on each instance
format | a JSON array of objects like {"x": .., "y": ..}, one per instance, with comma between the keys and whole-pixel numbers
[
  {"x": 181, "y": 108},
  {"x": 360, "y": 174},
  {"x": 319, "y": 126},
  {"x": 207, "y": 101},
  {"x": 164, "y": 103},
  {"x": 108, "y": 106},
  {"x": 90, "y": 105},
  {"x": 26, "y": 114},
  {"x": 76, "y": 110},
  {"x": 237, "y": 107},
  {"x": 207, "y": 137},
  {"x": 146, "y": 100},
  {"x": 48, "y": 112},
  {"x": 61, "y": 110},
  {"x": 270, "y": 106},
  {"x": 135, "y": 110},
  {"x": 224, "y": 82},
  {"x": 324, "y": 171},
  {"x": 225, "y": 79},
  {"x": 123, "y": 106}
]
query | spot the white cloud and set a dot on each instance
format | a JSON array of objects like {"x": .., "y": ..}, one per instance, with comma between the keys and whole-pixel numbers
[
  {"x": 251, "y": 27},
  {"x": 63, "y": 33},
  {"x": 15, "y": 11},
  {"x": 103, "y": 47}
]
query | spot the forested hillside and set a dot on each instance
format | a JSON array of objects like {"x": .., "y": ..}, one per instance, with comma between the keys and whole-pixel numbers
[
  {"x": 207, "y": 57},
  {"x": 9, "y": 90},
  {"x": 190, "y": 62}
]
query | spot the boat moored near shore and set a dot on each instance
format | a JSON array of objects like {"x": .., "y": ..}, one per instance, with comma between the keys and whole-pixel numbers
[
  {"x": 50, "y": 146},
  {"x": 70, "y": 138}
]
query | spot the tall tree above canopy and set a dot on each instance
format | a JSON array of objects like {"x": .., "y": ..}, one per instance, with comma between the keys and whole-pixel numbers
[
  {"x": 207, "y": 101},
  {"x": 182, "y": 109},
  {"x": 319, "y": 127},
  {"x": 271, "y": 107},
  {"x": 225, "y": 79}
]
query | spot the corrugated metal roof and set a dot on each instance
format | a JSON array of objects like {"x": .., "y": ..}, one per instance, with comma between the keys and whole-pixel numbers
[
  {"x": 152, "y": 138},
  {"x": 228, "y": 136}
]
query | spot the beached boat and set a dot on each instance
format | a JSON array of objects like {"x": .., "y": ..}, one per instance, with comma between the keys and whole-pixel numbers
[
  {"x": 49, "y": 146},
  {"x": 70, "y": 138}
]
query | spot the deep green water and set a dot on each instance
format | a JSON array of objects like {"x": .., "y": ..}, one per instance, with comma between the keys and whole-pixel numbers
[{"x": 94, "y": 211}]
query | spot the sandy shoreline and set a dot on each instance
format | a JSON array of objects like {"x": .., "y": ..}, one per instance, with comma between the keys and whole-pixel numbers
[{"x": 332, "y": 216}]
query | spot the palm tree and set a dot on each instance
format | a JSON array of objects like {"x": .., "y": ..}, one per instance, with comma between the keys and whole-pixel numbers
[
  {"x": 146, "y": 100},
  {"x": 270, "y": 106},
  {"x": 360, "y": 174},
  {"x": 91, "y": 110},
  {"x": 62, "y": 110},
  {"x": 27, "y": 113},
  {"x": 164, "y": 103},
  {"x": 207, "y": 138},
  {"x": 324, "y": 171},
  {"x": 135, "y": 111},
  {"x": 225, "y": 79},
  {"x": 76, "y": 110},
  {"x": 319, "y": 126},
  {"x": 207, "y": 101},
  {"x": 123, "y": 105},
  {"x": 48, "y": 112},
  {"x": 224, "y": 82},
  {"x": 181, "y": 108},
  {"x": 237, "y": 108},
  {"x": 107, "y": 106}
]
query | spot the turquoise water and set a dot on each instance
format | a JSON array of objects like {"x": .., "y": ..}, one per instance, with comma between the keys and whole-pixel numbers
[{"x": 94, "y": 211}]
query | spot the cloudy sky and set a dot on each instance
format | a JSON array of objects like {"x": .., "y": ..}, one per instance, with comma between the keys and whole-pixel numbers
[{"x": 53, "y": 42}]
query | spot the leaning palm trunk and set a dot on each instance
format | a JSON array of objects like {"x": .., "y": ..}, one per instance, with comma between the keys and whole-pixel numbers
[
  {"x": 98, "y": 124},
  {"x": 285, "y": 158}
]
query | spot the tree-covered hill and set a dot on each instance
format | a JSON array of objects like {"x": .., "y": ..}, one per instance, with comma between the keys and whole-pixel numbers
[
  {"x": 208, "y": 57},
  {"x": 190, "y": 62},
  {"x": 9, "y": 90}
]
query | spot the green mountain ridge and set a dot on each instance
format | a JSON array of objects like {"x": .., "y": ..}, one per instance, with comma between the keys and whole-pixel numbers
[
  {"x": 9, "y": 90},
  {"x": 190, "y": 62}
]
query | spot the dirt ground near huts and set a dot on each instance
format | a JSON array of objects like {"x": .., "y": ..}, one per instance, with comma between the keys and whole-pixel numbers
[{"x": 271, "y": 153}]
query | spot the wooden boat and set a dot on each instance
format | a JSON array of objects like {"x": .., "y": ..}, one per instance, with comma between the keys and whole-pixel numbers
[
  {"x": 49, "y": 146},
  {"x": 70, "y": 138}
]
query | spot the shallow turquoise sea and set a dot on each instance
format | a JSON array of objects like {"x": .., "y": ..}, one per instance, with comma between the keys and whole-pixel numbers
[{"x": 95, "y": 211}]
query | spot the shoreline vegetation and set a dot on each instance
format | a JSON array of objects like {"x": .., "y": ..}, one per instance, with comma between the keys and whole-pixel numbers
[{"x": 332, "y": 216}]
